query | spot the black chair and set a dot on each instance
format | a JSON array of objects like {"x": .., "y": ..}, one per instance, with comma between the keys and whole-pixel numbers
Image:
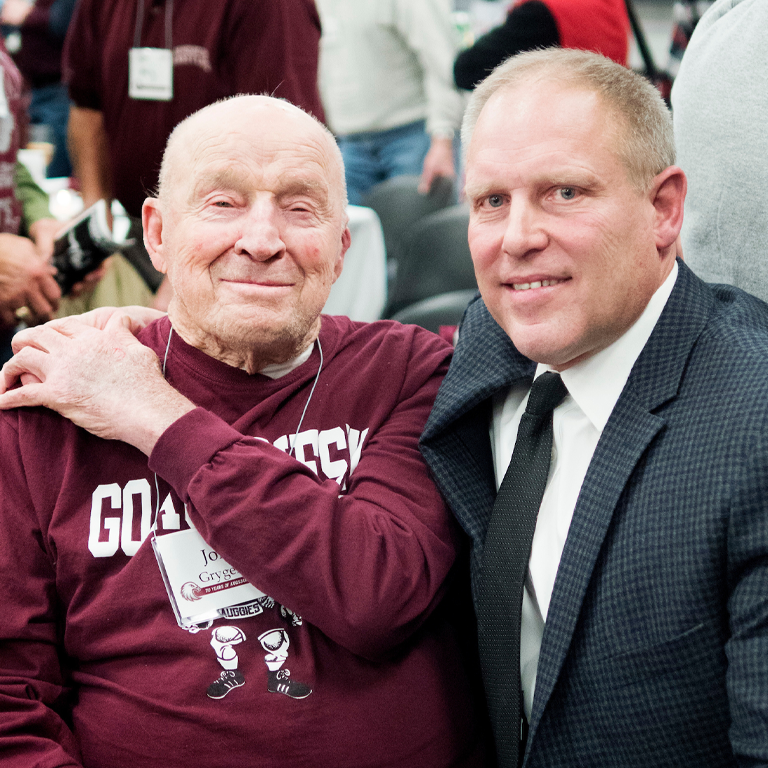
[
  {"x": 443, "y": 309},
  {"x": 400, "y": 205},
  {"x": 435, "y": 259}
]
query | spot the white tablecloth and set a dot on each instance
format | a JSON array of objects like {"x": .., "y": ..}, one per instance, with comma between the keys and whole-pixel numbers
[{"x": 361, "y": 291}]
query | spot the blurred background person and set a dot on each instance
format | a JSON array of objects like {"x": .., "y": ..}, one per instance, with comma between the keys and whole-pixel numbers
[
  {"x": 42, "y": 27},
  {"x": 386, "y": 84},
  {"x": 686, "y": 15},
  {"x": 720, "y": 110},
  {"x": 592, "y": 25},
  {"x": 28, "y": 290},
  {"x": 136, "y": 68}
]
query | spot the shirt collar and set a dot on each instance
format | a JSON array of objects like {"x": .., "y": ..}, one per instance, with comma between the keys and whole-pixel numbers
[
  {"x": 278, "y": 370},
  {"x": 596, "y": 383}
]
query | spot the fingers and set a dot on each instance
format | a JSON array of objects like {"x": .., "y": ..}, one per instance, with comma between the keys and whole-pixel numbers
[
  {"x": 124, "y": 325},
  {"x": 43, "y": 298},
  {"x": 95, "y": 277},
  {"x": 43, "y": 233},
  {"x": 28, "y": 367},
  {"x": 22, "y": 397},
  {"x": 7, "y": 317},
  {"x": 92, "y": 279},
  {"x": 56, "y": 337},
  {"x": 438, "y": 162},
  {"x": 11, "y": 398},
  {"x": 26, "y": 338},
  {"x": 48, "y": 337},
  {"x": 29, "y": 378},
  {"x": 50, "y": 288},
  {"x": 39, "y": 293},
  {"x": 96, "y": 318},
  {"x": 126, "y": 322},
  {"x": 425, "y": 183},
  {"x": 133, "y": 318}
]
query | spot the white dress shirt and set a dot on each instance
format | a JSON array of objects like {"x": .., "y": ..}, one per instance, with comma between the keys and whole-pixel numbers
[{"x": 594, "y": 386}]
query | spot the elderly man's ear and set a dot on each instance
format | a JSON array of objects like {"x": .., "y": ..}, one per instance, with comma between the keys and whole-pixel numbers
[
  {"x": 152, "y": 223},
  {"x": 346, "y": 240},
  {"x": 668, "y": 196}
]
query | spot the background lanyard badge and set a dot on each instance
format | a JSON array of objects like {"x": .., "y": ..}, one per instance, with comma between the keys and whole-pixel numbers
[{"x": 150, "y": 70}]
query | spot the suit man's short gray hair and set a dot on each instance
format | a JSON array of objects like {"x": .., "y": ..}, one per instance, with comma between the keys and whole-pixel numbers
[{"x": 644, "y": 137}]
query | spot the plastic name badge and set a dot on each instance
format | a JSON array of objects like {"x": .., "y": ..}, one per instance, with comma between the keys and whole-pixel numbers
[
  {"x": 150, "y": 74},
  {"x": 201, "y": 585}
]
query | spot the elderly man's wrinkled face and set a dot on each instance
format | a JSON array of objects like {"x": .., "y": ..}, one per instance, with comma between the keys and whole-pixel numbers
[
  {"x": 253, "y": 231},
  {"x": 564, "y": 246}
]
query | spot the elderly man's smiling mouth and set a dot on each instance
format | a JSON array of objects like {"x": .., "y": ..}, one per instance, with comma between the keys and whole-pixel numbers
[{"x": 256, "y": 284}]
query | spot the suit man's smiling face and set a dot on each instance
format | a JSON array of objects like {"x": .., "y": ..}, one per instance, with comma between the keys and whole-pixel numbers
[{"x": 563, "y": 244}]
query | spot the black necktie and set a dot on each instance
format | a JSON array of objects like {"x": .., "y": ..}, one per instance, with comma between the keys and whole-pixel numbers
[{"x": 505, "y": 564}]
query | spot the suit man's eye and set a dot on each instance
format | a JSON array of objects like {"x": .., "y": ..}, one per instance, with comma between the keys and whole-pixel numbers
[
  {"x": 495, "y": 201},
  {"x": 567, "y": 193}
]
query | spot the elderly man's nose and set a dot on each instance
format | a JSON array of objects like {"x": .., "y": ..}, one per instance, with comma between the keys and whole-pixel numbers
[{"x": 259, "y": 236}]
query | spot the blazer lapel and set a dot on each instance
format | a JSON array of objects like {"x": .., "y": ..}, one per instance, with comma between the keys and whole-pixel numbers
[
  {"x": 621, "y": 446},
  {"x": 456, "y": 441},
  {"x": 654, "y": 380}
]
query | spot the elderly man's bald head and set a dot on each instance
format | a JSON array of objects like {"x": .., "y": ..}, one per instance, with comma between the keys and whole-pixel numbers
[{"x": 193, "y": 134}]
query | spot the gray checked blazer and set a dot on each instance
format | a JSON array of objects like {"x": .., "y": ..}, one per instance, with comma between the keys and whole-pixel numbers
[{"x": 655, "y": 650}]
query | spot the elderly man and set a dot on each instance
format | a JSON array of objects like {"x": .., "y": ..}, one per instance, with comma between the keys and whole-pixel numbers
[
  {"x": 270, "y": 586},
  {"x": 621, "y": 591}
]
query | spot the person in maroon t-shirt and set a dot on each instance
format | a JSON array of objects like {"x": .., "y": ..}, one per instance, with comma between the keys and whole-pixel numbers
[{"x": 205, "y": 50}]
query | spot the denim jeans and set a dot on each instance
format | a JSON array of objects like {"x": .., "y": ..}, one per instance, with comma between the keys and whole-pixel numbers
[
  {"x": 373, "y": 157},
  {"x": 50, "y": 106}
]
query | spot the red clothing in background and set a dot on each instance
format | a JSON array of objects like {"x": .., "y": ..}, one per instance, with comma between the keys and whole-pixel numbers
[{"x": 592, "y": 25}]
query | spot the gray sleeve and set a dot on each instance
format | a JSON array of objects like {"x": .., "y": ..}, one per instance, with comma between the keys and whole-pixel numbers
[{"x": 720, "y": 113}]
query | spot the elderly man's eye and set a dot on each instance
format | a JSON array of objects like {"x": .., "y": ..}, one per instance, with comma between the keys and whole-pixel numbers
[
  {"x": 567, "y": 193},
  {"x": 495, "y": 201}
]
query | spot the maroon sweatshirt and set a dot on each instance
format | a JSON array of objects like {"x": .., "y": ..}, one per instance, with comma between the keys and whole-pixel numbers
[{"x": 359, "y": 656}]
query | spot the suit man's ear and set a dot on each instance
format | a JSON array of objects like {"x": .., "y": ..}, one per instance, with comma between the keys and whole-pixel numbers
[
  {"x": 152, "y": 223},
  {"x": 668, "y": 196}
]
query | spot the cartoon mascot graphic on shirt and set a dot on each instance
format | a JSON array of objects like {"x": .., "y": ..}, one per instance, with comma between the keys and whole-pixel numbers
[{"x": 275, "y": 642}]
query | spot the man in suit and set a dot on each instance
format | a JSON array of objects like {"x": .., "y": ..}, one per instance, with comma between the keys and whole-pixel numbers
[{"x": 644, "y": 632}]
